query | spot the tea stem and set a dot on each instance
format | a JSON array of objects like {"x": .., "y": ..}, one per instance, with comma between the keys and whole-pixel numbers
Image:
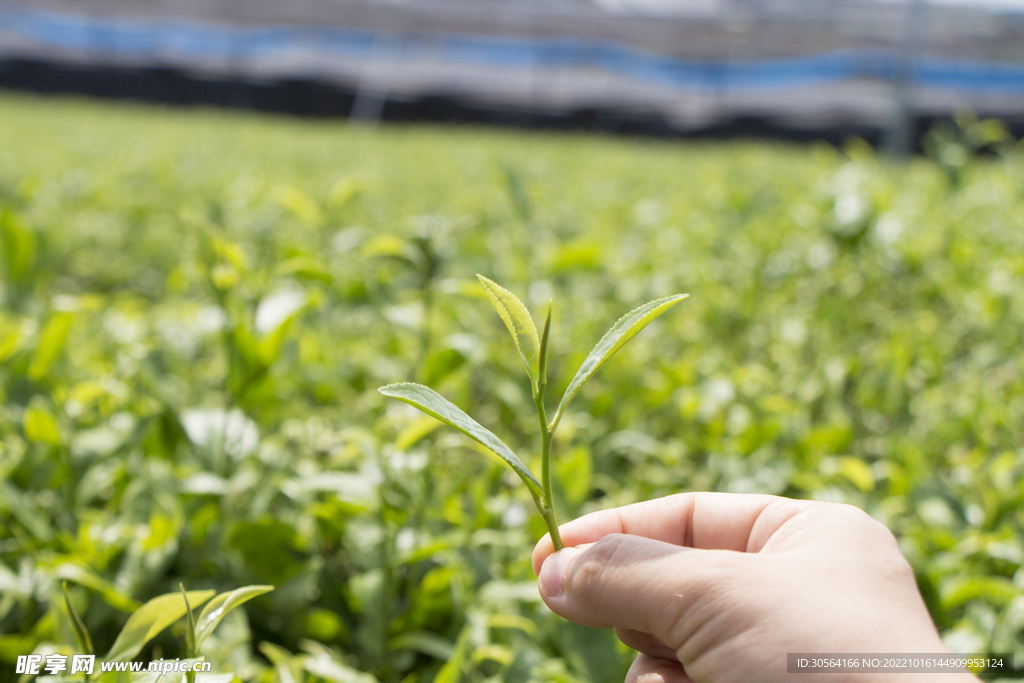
[
  {"x": 549, "y": 519},
  {"x": 547, "y": 508}
]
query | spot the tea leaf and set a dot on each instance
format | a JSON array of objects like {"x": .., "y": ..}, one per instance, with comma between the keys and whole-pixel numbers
[
  {"x": 41, "y": 426},
  {"x": 270, "y": 346},
  {"x": 190, "y": 627},
  {"x": 328, "y": 668},
  {"x": 414, "y": 432},
  {"x": 19, "y": 246},
  {"x": 451, "y": 672},
  {"x": 23, "y": 508},
  {"x": 85, "y": 577},
  {"x": 620, "y": 333},
  {"x": 287, "y": 665},
  {"x": 519, "y": 323},
  {"x": 304, "y": 267},
  {"x": 81, "y": 632},
  {"x": 149, "y": 620},
  {"x": 429, "y": 644},
  {"x": 440, "y": 408},
  {"x": 218, "y": 608},
  {"x": 10, "y": 344},
  {"x": 299, "y": 204},
  {"x": 51, "y": 343},
  {"x": 543, "y": 374},
  {"x": 957, "y": 590}
]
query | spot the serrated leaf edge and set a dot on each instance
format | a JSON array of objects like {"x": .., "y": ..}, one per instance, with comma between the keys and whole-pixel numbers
[{"x": 487, "y": 284}]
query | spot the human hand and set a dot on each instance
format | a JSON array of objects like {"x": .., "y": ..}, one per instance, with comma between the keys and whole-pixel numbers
[{"x": 717, "y": 587}]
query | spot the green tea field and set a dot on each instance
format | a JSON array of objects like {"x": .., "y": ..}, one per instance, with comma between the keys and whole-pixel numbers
[{"x": 197, "y": 309}]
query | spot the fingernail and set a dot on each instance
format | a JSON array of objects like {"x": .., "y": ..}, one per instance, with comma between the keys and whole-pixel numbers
[{"x": 554, "y": 569}]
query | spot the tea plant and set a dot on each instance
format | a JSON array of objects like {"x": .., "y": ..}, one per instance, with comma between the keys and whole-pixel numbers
[
  {"x": 190, "y": 346},
  {"x": 146, "y": 623},
  {"x": 533, "y": 350}
]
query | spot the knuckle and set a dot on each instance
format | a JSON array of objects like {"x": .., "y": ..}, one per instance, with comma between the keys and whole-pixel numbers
[
  {"x": 588, "y": 574},
  {"x": 843, "y": 511},
  {"x": 862, "y": 526},
  {"x": 851, "y": 515}
]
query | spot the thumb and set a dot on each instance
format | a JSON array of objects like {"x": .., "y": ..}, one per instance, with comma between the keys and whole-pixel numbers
[{"x": 631, "y": 582}]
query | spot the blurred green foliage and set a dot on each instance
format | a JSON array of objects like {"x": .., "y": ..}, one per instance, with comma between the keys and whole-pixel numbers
[{"x": 197, "y": 308}]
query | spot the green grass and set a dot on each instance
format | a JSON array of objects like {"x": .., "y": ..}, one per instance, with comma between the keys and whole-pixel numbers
[{"x": 853, "y": 333}]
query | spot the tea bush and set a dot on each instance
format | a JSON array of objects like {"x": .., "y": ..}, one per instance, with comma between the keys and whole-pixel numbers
[{"x": 197, "y": 308}]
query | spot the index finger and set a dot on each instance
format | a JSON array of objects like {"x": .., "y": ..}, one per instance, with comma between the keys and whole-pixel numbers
[{"x": 714, "y": 521}]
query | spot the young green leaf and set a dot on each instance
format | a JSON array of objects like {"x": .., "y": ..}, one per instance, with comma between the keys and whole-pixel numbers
[
  {"x": 149, "y": 620},
  {"x": 40, "y": 425},
  {"x": 440, "y": 408},
  {"x": 218, "y": 608},
  {"x": 51, "y": 342},
  {"x": 543, "y": 374},
  {"x": 620, "y": 333},
  {"x": 190, "y": 626},
  {"x": 518, "y": 321},
  {"x": 81, "y": 632},
  {"x": 19, "y": 246},
  {"x": 85, "y": 577},
  {"x": 451, "y": 672},
  {"x": 428, "y": 643},
  {"x": 287, "y": 665}
]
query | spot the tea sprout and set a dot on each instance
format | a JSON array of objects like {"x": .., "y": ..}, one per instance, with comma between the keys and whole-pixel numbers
[{"x": 533, "y": 350}]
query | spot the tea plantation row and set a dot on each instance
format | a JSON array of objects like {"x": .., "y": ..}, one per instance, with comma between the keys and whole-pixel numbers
[{"x": 197, "y": 309}]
